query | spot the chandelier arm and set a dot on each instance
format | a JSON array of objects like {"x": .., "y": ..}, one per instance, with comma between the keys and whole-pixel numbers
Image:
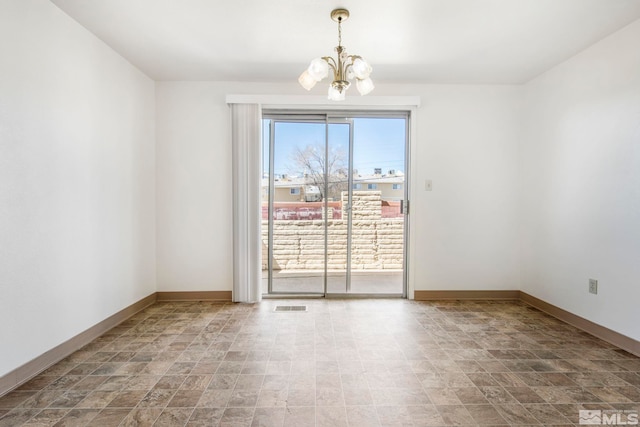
[
  {"x": 332, "y": 64},
  {"x": 330, "y": 61},
  {"x": 349, "y": 65}
]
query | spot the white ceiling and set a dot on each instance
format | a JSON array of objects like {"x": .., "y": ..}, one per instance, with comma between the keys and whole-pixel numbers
[{"x": 430, "y": 41}]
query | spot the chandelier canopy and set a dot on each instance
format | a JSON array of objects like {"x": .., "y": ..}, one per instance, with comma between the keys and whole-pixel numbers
[{"x": 345, "y": 68}]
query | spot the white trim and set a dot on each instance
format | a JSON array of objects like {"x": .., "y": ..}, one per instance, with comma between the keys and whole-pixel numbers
[
  {"x": 352, "y": 102},
  {"x": 412, "y": 188}
]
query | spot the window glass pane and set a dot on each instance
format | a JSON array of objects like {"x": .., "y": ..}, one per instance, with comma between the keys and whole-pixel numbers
[
  {"x": 377, "y": 246},
  {"x": 298, "y": 226}
]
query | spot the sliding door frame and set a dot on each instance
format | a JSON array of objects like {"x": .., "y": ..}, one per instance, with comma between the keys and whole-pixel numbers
[
  {"x": 335, "y": 117},
  {"x": 291, "y": 118}
]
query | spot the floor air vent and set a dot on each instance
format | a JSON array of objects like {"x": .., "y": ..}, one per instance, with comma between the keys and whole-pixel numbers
[{"x": 289, "y": 308}]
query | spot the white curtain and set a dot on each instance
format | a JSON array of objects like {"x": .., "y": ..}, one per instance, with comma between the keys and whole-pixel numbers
[{"x": 247, "y": 263}]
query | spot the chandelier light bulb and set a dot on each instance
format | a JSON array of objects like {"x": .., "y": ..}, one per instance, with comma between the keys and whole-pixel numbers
[
  {"x": 345, "y": 67},
  {"x": 361, "y": 68},
  {"x": 318, "y": 69},
  {"x": 335, "y": 94},
  {"x": 306, "y": 80},
  {"x": 364, "y": 86}
]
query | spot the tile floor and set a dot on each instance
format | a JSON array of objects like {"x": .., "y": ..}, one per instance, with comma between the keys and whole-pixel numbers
[{"x": 341, "y": 363}]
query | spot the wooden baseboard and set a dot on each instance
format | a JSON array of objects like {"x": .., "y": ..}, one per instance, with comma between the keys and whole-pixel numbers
[
  {"x": 30, "y": 369},
  {"x": 466, "y": 295},
  {"x": 624, "y": 342},
  {"x": 195, "y": 296}
]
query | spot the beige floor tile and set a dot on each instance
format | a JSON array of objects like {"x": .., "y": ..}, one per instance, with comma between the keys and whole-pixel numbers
[
  {"x": 345, "y": 362},
  {"x": 205, "y": 417},
  {"x": 362, "y": 416},
  {"x": 331, "y": 416},
  {"x": 300, "y": 416},
  {"x": 110, "y": 417},
  {"x": 17, "y": 417},
  {"x": 516, "y": 414},
  {"x": 485, "y": 415},
  {"x": 77, "y": 417},
  {"x": 268, "y": 417},
  {"x": 455, "y": 415},
  {"x": 394, "y": 415},
  {"x": 171, "y": 417},
  {"x": 141, "y": 417},
  {"x": 237, "y": 417},
  {"x": 47, "y": 417}
]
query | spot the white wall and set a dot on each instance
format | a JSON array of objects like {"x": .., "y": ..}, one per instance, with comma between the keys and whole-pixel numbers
[
  {"x": 77, "y": 191},
  {"x": 580, "y": 159},
  {"x": 194, "y": 220},
  {"x": 464, "y": 232}
]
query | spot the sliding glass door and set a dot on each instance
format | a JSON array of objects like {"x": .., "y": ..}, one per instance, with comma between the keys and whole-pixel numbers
[{"x": 333, "y": 194}]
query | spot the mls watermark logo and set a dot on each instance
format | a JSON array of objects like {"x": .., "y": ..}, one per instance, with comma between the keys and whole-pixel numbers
[
  {"x": 608, "y": 417},
  {"x": 590, "y": 417}
]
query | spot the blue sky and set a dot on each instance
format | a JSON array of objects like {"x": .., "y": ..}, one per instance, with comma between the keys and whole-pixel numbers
[{"x": 378, "y": 143}]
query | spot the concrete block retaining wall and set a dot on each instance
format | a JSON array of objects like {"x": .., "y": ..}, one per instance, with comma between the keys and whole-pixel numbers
[
  {"x": 299, "y": 245},
  {"x": 377, "y": 243}
]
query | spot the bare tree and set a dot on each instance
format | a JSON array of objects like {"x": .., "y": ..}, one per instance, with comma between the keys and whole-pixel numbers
[{"x": 311, "y": 161}]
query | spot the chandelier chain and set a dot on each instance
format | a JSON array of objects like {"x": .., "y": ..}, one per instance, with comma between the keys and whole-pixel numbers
[{"x": 339, "y": 31}]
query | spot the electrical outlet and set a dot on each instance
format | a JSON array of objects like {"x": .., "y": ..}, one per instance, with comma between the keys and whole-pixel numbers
[{"x": 593, "y": 286}]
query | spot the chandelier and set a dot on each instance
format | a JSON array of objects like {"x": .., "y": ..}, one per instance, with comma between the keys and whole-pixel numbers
[{"x": 345, "y": 68}]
